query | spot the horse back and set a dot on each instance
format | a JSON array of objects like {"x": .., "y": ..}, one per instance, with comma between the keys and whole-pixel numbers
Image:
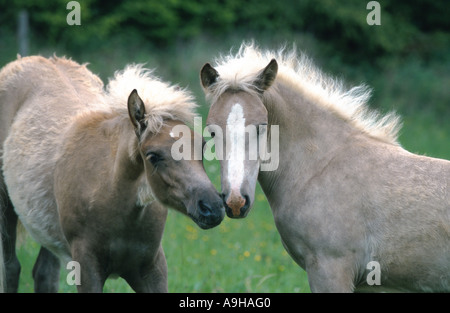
[
  {"x": 36, "y": 80},
  {"x": 44, "y": 93}
]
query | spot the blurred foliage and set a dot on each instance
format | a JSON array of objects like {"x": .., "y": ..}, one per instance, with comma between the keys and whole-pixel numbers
[
  {"x": 406, "y": 59},
  {"x": 410, "y": 49},
  {"x": 407, "y": 27}
]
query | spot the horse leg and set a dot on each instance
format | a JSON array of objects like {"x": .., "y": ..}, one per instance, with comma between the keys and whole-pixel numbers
[
  {"x": 92, "y": 273},
  {"x": 330, "y": 275},
  {"x": 151, "y": 279},
  {"x": 46, "y": 272},
  {"x": 12, "y": 265}
]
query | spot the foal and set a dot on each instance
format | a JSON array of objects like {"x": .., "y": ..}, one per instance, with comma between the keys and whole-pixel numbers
[
  {"x": 88, "y": 172},
  {"x": 345, "y": 195}
]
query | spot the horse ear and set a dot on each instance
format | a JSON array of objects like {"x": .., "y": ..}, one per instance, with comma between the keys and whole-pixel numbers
[
  {"x": 136, "y": 110},
  {"x": 267, "y": 76},
  {"x": 208, "y": 75}
]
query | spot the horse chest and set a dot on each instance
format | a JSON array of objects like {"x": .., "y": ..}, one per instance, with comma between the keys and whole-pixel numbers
[
  {"x": 292, "y": 237},
  {"x": 124, "y": 253}
]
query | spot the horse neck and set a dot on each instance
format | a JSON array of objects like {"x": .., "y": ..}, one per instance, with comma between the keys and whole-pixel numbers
[
  {"x": 309, "y": 137},
  {"x": 128, "y": 164},
  {"x": 113, "y": 136}
]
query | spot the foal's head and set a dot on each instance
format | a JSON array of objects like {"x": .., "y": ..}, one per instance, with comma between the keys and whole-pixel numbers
[
  {"x": 183, "y": 184},
  {"x": 235, "y": 112}
]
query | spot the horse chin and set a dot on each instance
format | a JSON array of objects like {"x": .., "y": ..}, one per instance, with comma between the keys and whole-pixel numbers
[{"x": 205, "y": 223}]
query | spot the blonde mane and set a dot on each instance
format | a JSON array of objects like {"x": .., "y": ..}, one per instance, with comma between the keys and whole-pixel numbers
[
  {"x": 239, "y": 71},
  {"x": 162, "y": 100}
]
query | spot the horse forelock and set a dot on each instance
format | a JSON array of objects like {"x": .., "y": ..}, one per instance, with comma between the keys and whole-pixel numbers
[
  {"x": 162, "y": 100},
  {"x": 239, "y": 71}
]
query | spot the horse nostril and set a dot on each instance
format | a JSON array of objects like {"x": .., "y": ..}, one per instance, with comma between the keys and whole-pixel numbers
[
  {"x": 247, "y": 201},
  {"x": 205, "y": 209},
  {"x": 246, "y": 205}
]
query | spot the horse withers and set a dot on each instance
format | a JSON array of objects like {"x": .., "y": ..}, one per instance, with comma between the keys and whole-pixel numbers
[
  {"x": 89, "y": 172},
  {"x": 353, "y": 208}
]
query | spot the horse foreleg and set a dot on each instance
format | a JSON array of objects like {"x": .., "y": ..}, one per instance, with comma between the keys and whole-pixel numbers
[
  {"x": 330, "y": 275},
  {"x": 12, "y": 265},
  {"x": 152, "y": 278},
  {"x": 46, "y": 272},
  {"x": 92, "y": 273}
]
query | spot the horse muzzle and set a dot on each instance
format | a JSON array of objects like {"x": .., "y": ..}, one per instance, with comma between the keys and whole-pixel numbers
[
  {"x": 209, "y": 212},
  {"x": 236, "y": 206}
]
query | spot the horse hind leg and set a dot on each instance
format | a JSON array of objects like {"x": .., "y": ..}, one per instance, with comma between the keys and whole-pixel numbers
[
  {"x": 46, "y": 272},
  {"x": 8, "y": 236}
]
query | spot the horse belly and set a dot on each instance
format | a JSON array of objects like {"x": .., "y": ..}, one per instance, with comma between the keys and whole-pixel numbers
[{"x": 28, "y": 170}]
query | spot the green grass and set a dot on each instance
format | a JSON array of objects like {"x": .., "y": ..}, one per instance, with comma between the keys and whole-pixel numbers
[{"x": 247, "y": 255}]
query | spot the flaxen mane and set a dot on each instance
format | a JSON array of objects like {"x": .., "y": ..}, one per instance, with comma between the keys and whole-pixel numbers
[
  {"x": 162, "y": 101},
  {"x": 239, "y": 72}
]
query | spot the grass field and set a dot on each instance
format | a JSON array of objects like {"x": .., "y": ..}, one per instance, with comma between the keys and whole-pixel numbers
[{"x": 247, "y": 255}]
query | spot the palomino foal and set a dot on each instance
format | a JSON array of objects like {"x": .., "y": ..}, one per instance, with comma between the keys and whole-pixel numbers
[
  {"x": 88, "y": 173},
  {"x": 347, "y": 199}
]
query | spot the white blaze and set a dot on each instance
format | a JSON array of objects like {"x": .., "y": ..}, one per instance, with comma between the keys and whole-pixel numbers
[{"x": 236, "y": 147}]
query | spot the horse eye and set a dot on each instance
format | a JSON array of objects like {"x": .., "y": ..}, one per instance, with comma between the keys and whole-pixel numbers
[
  {"x": 213, "y": 134},
  {"x": 153, "y": 158}
]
